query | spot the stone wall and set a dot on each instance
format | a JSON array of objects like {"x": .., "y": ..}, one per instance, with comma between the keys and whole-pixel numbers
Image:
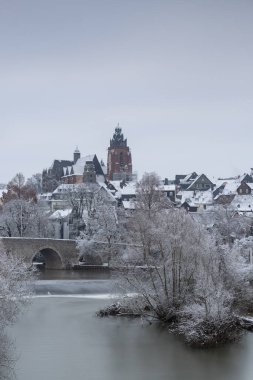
[{"x": 61, "y": 253}]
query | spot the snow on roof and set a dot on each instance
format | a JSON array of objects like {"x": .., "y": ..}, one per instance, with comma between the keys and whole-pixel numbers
[
  {"x": 104, "y": 168},
  {"x": 230, "y": 185},
  {"x": 60, "y": 214},
  {"x": 65, "y": 187},
  {"x": 116, "y": 185},
  {"x": 103, "y": 187},
  {"x": 100, "y": 179},
  {"x": 185, "y": 195},
  {"x": 197, "y": 198},
  {"x": 78, "y": 168},
  {"x": 129, "y": 189},
  {"x": 195, "y": 180},
  {"x": 186, "y": 179},
  {"x": 128, "y": 205},
  {"x": 82, "y": 160},
  {"x": 168, "y": 188}
]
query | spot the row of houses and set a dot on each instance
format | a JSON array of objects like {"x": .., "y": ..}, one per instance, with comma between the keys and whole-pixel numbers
[{"x": 197, "y": 193}]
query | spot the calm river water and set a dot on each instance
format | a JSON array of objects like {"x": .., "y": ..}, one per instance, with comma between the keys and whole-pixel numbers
[{"x": 59, "y": 337}]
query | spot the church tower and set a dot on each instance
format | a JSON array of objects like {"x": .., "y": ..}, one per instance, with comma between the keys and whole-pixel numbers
[
  {"x": 119, "y": 162},
  {"x": 77, "y": 155}
]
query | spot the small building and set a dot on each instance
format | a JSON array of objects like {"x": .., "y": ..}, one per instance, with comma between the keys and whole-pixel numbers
[
  {"x": 189, "y": 206},
  {"x": 201, "y": 183}
]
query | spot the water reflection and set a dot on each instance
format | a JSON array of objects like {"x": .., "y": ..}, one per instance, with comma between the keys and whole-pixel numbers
[
  {"x": 7, "y": 357},
  {"x": 61, "y": 338}
]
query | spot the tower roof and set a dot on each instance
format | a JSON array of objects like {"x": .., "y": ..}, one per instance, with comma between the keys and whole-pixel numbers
[{"x": 118, "y": 139}]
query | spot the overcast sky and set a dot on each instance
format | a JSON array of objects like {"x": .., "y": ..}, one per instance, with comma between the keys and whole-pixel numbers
[{"x": 176, "y": 75}]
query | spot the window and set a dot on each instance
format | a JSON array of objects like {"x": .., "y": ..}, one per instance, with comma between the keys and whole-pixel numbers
[{"x": 121, "y": 160}]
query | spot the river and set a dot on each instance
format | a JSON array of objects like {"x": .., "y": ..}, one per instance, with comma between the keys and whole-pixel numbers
[{"x": 59, "y": 337}]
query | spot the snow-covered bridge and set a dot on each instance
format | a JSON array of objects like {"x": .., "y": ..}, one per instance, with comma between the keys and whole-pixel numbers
[{"x": 56, "y": 253}]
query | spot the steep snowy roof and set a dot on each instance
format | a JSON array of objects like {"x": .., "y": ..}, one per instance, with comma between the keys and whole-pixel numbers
[
  {"x": 78, "y": 168},
  {"x": 60, "y": 214},
  {"x": 230, "y": 186},
  {"x": 187, "y": 178},
  {"x": 65, "y": 187},
  {"x": 129, "y": 189},
  {"x": 196, "y": 197}
]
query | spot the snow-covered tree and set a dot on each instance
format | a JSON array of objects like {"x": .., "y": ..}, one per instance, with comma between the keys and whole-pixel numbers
[
  {"x": 101, "y": 223},
  {"x": 15, "y": 287},
  {"x": 105, "y": 227},
  {"x": 24, "y": 219},
  {"x": 229, "y": 226},
  {"x": 149, "y": 196},
  {"x": 83, "y": 197}
]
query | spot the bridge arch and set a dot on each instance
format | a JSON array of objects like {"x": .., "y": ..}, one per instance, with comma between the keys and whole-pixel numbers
[{"x": 49, "y": 257}]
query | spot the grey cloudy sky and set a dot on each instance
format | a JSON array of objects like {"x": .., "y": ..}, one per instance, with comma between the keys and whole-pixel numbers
[{"x": 176, "y": 75}]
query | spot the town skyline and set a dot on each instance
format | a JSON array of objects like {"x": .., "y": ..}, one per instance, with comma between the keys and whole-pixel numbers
[{"x": 157, "y": 168}]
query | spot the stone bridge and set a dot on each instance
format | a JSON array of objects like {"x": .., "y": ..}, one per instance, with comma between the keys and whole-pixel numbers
[{"x": 56, "y": 253}]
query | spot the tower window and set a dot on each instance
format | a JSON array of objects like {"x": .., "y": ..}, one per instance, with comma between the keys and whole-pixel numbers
[{"x": 121, "y": 160}]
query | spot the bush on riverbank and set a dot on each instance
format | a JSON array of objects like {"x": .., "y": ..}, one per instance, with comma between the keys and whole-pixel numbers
[{"x": 196, "y": 329}]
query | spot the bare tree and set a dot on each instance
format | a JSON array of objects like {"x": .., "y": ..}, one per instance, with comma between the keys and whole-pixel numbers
[
  {"x": 18, "y": 189},
  {"x": 149, "y": 196},
  {"x": 22, "y": 218},
  {"x": 15, "y": 287},
  {"x": 229, "y": 226},
  {"x": 35, "y": 182},
  {"x": 83, "y": 197},
  {"x": 97, "y": 209}
]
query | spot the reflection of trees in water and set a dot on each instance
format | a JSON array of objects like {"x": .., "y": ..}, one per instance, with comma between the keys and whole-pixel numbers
[{"x": 7, "y": 357}]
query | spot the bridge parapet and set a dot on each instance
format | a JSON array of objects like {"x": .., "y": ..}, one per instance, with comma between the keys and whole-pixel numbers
[{"x": 59, "y": 254}]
